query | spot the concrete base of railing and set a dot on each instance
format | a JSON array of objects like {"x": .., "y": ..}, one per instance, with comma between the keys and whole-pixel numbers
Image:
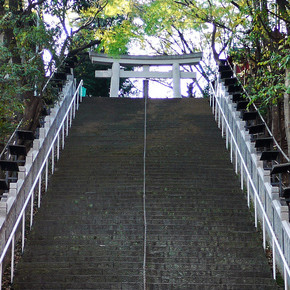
[
  {"x": 13, "y": 201},
  {"x": 277, "y": 212}
]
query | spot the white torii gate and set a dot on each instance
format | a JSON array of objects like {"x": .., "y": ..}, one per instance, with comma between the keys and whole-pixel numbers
[{"x": 145, "y": 62}]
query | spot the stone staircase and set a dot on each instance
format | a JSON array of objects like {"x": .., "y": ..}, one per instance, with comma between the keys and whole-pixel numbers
[{"x": 89, "y": 232}]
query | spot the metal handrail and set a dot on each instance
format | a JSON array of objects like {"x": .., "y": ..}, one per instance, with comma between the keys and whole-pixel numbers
[
  {"x": 275, "y": 242},
  {"x": 260, "y": 115},
  {"x": 51, "y": 76},
  {"x": 11, "y": 240},
  {"x": 19, "y": 124},
  {"x": 11, "y": 137}
]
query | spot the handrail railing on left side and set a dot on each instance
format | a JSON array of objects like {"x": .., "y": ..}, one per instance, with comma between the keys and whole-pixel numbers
[
  {"x": 66, "y": 121},
  {"x": 222, "y": 121},
  {"x": 10, "y": 139}
]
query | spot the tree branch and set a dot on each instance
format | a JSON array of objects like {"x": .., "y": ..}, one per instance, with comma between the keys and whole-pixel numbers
[
  {"x": 79, "y": 49},
  {"x": 236, "y": 4}
]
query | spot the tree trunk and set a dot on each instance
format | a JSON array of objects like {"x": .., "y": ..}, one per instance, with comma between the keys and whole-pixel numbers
[
  {"x": 275, "y": 122},
  {"x": 287, "y": 109},
  {"x": 284, "y": 13},
  {"x": 33, "y": 109}
]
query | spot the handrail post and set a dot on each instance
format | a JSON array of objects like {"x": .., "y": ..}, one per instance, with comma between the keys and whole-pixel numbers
[
  {"x": 31, "y": 209},
  {"x": 57, "y": 147},
  {"x": 62, "y": 136},
  {"x": 46, "y": 175},
  {"x": 274, "y": 259},
  {"x": 1, "y": 274},
  {"x": 12, "y": 257},
  {"x": 23, "y": 233},
  {"x": 52, "y": 159},
  {"x": 285, "y": 279},
  {"x": 39, "y": 191},
  {"x": 248, "y": 191},
  {"x": 264, "y": 234}
]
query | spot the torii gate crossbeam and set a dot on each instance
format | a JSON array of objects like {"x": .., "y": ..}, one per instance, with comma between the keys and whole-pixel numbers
[{"x": 145, "y": 61}]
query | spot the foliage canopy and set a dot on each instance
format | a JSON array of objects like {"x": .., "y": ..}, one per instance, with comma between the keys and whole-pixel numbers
[{"x": 254, "y": 34}]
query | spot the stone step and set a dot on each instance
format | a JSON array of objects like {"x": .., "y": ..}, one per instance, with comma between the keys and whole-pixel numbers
[
  {"x": 153, "y": 222},
  {"x": 84, "y": 280},
  {"x": 89, "y": 232},
  {"x": 131, "y": 275},
  {"x": 134, "y": 286},
  {"x": 123, "y": 264}
]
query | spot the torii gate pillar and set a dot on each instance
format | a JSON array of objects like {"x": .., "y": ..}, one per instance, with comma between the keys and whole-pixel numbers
[
  {"x": 115, "y": 80},
  {"x": 145, "y": 62},
  {"x": 176, "y": 80}
]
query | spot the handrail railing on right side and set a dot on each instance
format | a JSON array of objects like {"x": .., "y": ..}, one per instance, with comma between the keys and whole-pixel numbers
[
  {"x": 260, "y": 116},
  {"x": 222, "y": 121}
]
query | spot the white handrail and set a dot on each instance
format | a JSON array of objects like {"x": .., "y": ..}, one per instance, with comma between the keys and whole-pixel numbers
[
  {"x": 36, "y": 180},
  {"x": 11, "y": 137},
  {"x": 275, "y": 242},
  {"x": 261, "y": 117}
]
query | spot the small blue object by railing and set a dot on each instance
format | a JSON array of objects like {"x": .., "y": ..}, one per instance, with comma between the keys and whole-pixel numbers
[{"x": 83, "y": 92}]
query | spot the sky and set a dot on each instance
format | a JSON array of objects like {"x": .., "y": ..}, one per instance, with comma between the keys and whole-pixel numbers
[{"x": 156, "y": 90}]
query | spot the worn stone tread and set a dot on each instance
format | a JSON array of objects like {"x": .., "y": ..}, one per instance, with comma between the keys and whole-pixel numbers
[{"x": 89, "y": 232}]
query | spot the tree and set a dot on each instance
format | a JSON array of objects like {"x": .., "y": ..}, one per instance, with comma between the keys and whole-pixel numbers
[
  {"x": 25, "y": 35},
  {"x": 254, "y": 33},
  {"x": 20, "y": 60},
  {"x": 251, "y": 32}
]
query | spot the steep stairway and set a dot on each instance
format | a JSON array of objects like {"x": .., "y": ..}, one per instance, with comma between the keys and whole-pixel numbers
[{"x": 89, "y": 232}]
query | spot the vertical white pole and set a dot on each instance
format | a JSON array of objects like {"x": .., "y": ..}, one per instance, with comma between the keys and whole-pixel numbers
[
  {"x": 274, "y": 259},
  {"x": 74, "y": 107},
  {"x": 216, "y": 110},
  {"x": 70, "y": 116},
  {"x": 115, "y": 80},
  {"x": 264, "y": 233},
  {"x": 46, "y": 175},
  {"x": 285, "y": 278},
  {"x": 242, "y": 176},
  {"x": 23, "y": 231},
  {"x": 12, "y": 258},
  {"x": 236, "y": 160},
  {"x": 231, "y": 149},
  {"x": 248, "y": 191},
  {"x": 176, "y": 80},
  {"x": 219, "y": 117},
  {"x": 78, "y": 97},
  {"x": 256, "y": 211},
  {"x": 1, "y": 273},
  {"x": 66, "y": 125},
  {"x": 57, "y": 148},
  {"x": 62, "y": 136},
  {"x": 227, "y": 138},
  {"x": 52, "y": 159},
  {"x": 31, "y": 209},
  {"x": 39, "y": 191}
]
